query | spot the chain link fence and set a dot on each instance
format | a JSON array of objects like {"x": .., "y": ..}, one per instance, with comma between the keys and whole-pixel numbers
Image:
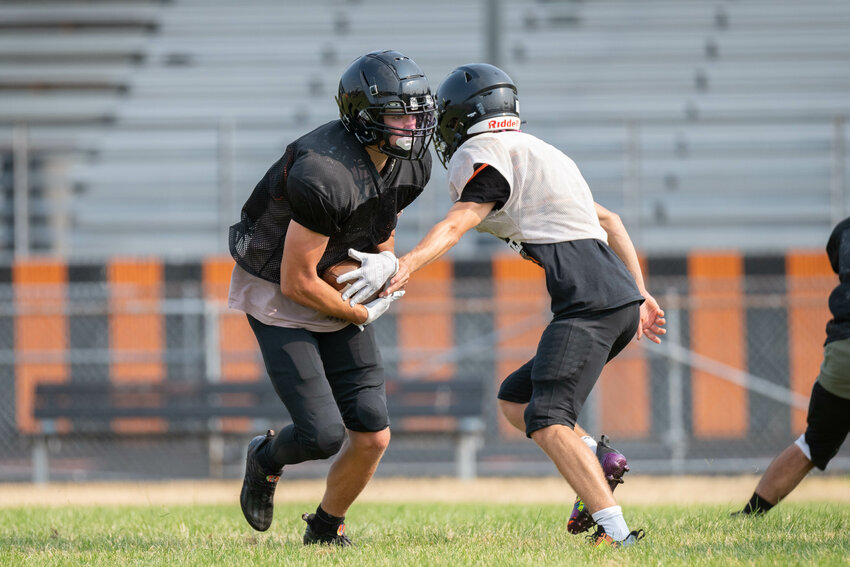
[{"x": 724, "y": 393}]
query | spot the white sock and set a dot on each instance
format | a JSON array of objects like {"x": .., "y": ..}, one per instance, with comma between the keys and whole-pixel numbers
[
  {"x": 590, "y": 442},
  {"x": 612, "y": 521}
]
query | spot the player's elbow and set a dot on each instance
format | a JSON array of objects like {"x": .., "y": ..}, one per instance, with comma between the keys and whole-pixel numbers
[
  {"x": 452, "y": 233},
  {"x": 290, "y": 292},
  {"x": 612, "y": 224},
  {"x": 452, "y": 239},
  {"x": 611, "y": 219},
  {"x": 295, "y": 287}
]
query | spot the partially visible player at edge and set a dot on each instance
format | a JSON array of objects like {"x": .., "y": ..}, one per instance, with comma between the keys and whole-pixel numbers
[
  {"x": 520, "y": 189},
  {"x": 336, "y": 191},
  {"x": 828, "y": 418}
]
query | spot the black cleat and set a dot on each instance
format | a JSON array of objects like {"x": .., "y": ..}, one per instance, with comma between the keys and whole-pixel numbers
[
  {"x": 332, "y": 538},
  {"x": 745, "y": 513},
  {"x": 257, "y": 498}
]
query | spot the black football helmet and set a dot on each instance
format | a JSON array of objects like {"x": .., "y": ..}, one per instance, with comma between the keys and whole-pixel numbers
[
  {"x": 473, "y": 99},
  {"x": 384, "y": 83}
]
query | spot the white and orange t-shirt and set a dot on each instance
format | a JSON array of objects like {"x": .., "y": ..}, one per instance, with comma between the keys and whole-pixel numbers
[{"x": 545, "y": 209}]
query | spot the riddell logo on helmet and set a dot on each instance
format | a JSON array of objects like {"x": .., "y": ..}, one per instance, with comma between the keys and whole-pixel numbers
[
  {"x": 509, "y": 123},
  {"x": 495, "y": 125}
]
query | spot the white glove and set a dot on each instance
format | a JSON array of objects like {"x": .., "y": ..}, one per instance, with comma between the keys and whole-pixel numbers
[
  {"x": 373, "y": 273},
  {"x": 378, "y": 307}
]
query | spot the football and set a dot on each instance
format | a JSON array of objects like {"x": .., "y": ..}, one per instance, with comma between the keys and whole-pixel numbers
[{"x": 331, "y": 273}]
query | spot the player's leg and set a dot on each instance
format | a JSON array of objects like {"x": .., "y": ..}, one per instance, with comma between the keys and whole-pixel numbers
[
  {"x": 784, "y": 474},
  {"x": 558, "y": 445},
  {"x": 586, "y": 437},
  {"x": 513, "y": 413},
  {"x": 576, "y": 464},
  {"x": 827, "y": 428},
  {"x": 581, "y": 470},
  {"x": 353, "y": 468},
  {"x": 514, "y": 394},
  {"x": 569, "y": 359},
  {"x": 613, "y": 462},
  {"x": 348, "y": 476},
  {"x": 293, "y": 364},
  {"x": 614, "y": 466},
  {"x": 353, "y": 366}
]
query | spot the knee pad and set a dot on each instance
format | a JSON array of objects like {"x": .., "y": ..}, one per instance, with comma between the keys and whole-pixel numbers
[
  {"x": 368, "y": 413},
  {"x": 325, "y": 442}
]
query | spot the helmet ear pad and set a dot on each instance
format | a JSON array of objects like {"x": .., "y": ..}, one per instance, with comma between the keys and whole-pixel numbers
[{"x": 364, "y": 120}]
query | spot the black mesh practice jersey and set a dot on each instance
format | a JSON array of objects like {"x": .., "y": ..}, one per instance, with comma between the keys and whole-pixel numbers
[
  {"x": 838, "y": 250},
  {"x": 326, "y": 182}
]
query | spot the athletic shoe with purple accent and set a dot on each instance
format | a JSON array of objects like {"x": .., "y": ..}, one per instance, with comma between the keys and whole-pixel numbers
[
  {"x": 613, "y": 462},
  {"x": 580, "y": 520},
  {"x": 614, "y": 465}
]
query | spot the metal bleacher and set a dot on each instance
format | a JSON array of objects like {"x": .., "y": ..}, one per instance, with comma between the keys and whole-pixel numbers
[
  {"x": 222, "y": 83},
  {"x": 63, "y": 71},
  {"x": 728, "y": 115},
  {"x": 706, "y": 124}
]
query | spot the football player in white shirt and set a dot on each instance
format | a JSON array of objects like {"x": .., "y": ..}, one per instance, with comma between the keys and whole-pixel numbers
[{"x": 528, "y": 193}]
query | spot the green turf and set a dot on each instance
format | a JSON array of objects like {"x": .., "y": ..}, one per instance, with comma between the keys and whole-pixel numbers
[{"x": 412, "y": 535}]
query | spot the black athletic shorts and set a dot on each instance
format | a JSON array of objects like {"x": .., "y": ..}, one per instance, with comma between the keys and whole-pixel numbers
[
  {"x": 828, "y": 425},
  {"x": 569, "y": 359},
  {"x": 321, "y": 377}
]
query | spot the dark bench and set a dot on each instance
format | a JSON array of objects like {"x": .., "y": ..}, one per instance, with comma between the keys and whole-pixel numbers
[{"x": 195, "y": 408}]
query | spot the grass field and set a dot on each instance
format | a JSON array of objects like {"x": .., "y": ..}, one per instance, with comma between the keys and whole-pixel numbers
[{"x": 417, "y": 533}]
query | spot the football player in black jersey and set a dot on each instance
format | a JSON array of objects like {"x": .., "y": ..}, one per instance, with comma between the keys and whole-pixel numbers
[
  {"x": 828, "y": 419},
  {"x": 336, "y": 192},
  {"x": 528, "y": 193}
]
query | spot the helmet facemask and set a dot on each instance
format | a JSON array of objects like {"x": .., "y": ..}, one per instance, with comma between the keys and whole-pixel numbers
[
  {"x": 448, "y": 138},
  {"x": 403, "y": 130},
  {"x": 382, "y": 85}
]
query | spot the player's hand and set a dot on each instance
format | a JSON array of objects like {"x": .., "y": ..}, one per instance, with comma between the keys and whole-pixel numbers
[
  {"x": 370, "y": 277},
  {"x": 651, "y": 320},
  {"x": 399, "y": 280},
  {"x": 378, "y": 307}
]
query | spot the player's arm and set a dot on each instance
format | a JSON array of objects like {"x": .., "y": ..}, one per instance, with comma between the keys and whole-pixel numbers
[
  {"x": 299, "y": 281},
  {"x": 387, "y": 245},
  {"x": 621, "y": 243},
  {"x": 651, "y": 314},
  {"x": 485, "y": 190},
  {"x": 461, "y": 217}
]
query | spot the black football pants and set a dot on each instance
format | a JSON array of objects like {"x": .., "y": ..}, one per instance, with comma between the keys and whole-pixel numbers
[{"x": 329, "y": 382}]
